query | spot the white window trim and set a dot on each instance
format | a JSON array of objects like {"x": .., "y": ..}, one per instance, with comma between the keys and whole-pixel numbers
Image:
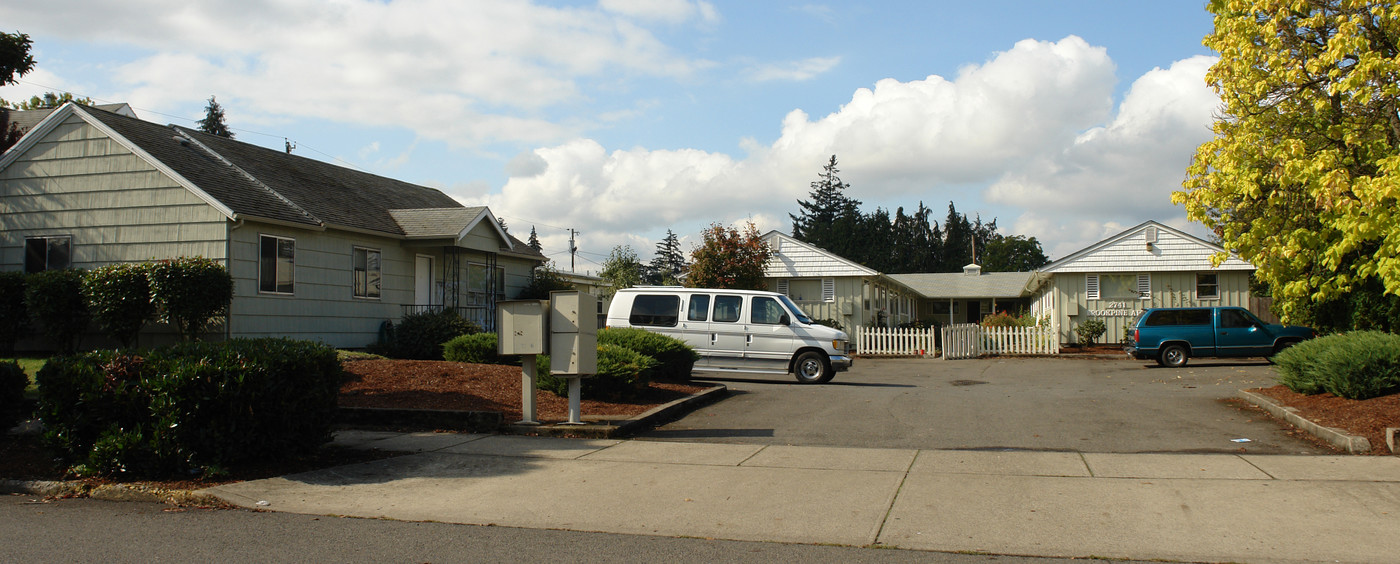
[
  {"x": 1144, "y": 286},
  {"x": 1091, "y": 286},
  {"x": 261, "y": 236},
  {"x": 828, "y": 290},
  {"x": 355, "y": 249},
  {"x": 46, "y": 238}
]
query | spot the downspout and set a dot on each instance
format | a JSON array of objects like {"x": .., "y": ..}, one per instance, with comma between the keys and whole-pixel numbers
[{"x": 228, "y": 263}]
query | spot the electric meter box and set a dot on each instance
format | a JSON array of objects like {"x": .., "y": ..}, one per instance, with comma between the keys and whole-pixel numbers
[
  {"x": 573, "y": 333},
  {"x": 523, "y": 327}
]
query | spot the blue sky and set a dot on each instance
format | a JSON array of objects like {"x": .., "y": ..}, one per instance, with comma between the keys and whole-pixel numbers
[{"x": 1066, "y": 121}]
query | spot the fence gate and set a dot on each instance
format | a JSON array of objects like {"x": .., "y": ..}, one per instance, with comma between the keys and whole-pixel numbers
[{"x": 969, "y": 340}]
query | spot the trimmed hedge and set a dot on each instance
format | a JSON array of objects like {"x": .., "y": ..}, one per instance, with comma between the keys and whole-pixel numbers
[
  {"x": 13, "y": 381},
  {"x": 119, "y": 296},
  {"x": 421, "y": 336},
  {"x": 190, "y": 292},
  {"x": 191, "y": 407},
  {"x": 55, "y": 299},
  {"x": 1357, "y": 365},
  {"x": 621, "y": 374},
  {"x": 674, "y": 358},
  {"x": 14, "y": 316},
  {"x": 477, "y": 348}
]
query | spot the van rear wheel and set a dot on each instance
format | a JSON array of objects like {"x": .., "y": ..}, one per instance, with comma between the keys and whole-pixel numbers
[{"x": 812, "y": 368}]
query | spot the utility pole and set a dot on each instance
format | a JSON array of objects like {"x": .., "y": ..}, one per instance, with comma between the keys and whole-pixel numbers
[{"x": 573, "y": 249}]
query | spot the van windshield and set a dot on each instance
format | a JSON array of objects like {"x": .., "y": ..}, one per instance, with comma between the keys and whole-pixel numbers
[{"x": 796, "y": 311}]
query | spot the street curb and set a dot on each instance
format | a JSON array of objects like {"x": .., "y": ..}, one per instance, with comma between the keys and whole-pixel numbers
[
  {"x": 1336, "y": 437},
  {"x": 468, "y": 421},
  {"x": 656, "y": 416},
  {"x": 108, "y": 492}
]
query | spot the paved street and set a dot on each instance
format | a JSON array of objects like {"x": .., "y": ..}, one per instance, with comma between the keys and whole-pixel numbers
[{"x": 1055, "y": 404}]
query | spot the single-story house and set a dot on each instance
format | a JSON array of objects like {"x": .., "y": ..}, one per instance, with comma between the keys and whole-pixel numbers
[
  {"x": 316, "y": 251},
  {"x": 1150, "y": 265},
  {"x": 827, "y": 286},
  {"x": 968, "y": 296}
]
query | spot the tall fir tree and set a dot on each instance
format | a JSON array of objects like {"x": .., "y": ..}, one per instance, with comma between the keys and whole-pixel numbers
[
  {"x": 957, "y": 241},
  {"x": 213, "y": 122},
  {"x": 831, "y": 220},
  {"x": 534, "y": 240},
  {"x": 669, "y": 262}
]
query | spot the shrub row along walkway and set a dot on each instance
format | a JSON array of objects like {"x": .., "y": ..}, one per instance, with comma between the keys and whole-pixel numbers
[{"x": 1143, "y": 506}]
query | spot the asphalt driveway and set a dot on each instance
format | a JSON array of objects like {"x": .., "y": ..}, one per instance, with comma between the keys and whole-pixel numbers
[{"x": 1053, "y": 404}]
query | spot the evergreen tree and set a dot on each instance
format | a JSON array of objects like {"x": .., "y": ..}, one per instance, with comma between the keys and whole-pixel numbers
[
  {"x": 957, "y": 241},
  {"x": 669, "y": 262},
  {"x": 15, "y": 60},
  {"x": 213, "y": 122},
  {"x": 831, "y": 219},
  {"x": 1015, "y": 253},
  {"x": 534, "y": 240}
]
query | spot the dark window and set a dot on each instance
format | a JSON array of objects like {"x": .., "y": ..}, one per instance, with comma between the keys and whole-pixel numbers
[
  {"x": 655, "y": 311},
  {"x": 1179, "y": 317},
  {"x": 1234, "y": 319},
  {"x": 276, "y": 264},
  {"x": 47, "y": 253},
  {"x": 366, "y": 274},
  {"x": 1207, "y": 286},
  {"x": 699, "y": 308},
  {"x": 767, "y": 311},
  {"x": 727, "y": 308}
]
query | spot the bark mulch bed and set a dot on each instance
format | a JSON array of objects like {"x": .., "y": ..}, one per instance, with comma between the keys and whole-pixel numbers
[
  {"x": 1365, "y": 418},
  {"x": 426, "y": 384}
]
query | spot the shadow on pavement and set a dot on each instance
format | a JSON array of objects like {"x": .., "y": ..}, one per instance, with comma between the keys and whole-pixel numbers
[
  {"x": 433, "y": 465},
  {"x": 678, "y": 434}
]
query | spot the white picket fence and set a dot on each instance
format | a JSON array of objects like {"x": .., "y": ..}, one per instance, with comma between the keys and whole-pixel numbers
[
  {"x": 884, "y": 340},
  {"x": 970, "y": 340}
]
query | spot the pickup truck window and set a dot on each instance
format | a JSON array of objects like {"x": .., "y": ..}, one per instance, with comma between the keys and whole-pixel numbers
[
  {"x": 1234, "y": 318},
  {"x": 655, "y": 311},
  {"x": 1179, "y": 317}
]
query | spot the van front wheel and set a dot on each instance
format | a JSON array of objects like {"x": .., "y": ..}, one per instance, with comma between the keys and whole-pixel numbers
[{"x": 813, "y": 368}]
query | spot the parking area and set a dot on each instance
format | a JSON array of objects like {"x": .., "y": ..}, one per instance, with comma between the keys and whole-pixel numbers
[{"x": 1053, "y": 404}]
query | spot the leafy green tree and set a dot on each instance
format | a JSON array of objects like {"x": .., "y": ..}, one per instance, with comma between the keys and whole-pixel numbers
[
  {"x": 729, "y": 259},
  {"x": 543, "y": 280},
  {"x": 15, "y": 60},
  {"x": 1303, "y": 176},
  {"x": 831, "y": 219},
  {"x": 213, "y": 122},
  {"x": 55, "y": 299},
  {"x": 622, "y": 269},
  {"x": 49, "y": 101},
  {"x": 1016, "y": 253},
  {"x": 669, "y": 262}
]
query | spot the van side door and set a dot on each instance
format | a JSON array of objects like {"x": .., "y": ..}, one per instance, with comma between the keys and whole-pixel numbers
[
  {"x": 728, "y": 336},
  {"x": 770, "y": 335},
  {"x": 695, "y": 327}
]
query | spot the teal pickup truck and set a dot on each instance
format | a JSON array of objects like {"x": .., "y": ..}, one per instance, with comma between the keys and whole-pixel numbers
[{"x": 1172, "y": 335}]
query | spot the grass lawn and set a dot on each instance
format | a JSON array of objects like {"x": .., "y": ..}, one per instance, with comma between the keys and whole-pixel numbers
[{"x": 31, "y": 366}]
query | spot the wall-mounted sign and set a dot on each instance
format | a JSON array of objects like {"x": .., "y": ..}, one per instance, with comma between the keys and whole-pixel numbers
[{"x": 1116, "y": 309}]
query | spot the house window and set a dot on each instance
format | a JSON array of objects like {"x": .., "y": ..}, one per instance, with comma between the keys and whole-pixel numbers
[
  {"x": 47, "y": 253},
  {"x": 1117, "y": 286},
  {"x": 366, "y": 274},
  {"x": 276, "y": 264},
  {"x": 480, "y": 283},
  {"x": 1207, "y": 287}
]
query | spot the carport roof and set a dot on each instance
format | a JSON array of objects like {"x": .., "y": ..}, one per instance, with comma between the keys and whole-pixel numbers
[{"x": 937, "y": 285}]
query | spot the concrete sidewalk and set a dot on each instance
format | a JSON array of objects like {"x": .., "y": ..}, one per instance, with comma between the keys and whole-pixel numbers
[{"x": 1216, "y": 507}]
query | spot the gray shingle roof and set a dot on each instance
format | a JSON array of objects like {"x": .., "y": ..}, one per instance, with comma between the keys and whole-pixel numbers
[
  {"x": 436, "y": 222},
  {"x": 258, "y": 182},
  {"x": 960, "y": 285}
]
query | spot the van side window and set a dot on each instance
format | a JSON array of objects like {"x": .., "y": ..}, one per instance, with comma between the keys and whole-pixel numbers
[
  {"x": 699, "y": 308},
  {"x": 655, "y": 311},
  {"x": 727, "y": 308},
  {"x": 767, "y": 311}
]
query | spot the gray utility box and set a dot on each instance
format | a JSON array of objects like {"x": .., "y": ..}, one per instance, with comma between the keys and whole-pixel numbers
[
  {"x": 523, "y": 328},
  {"x": 573, "y": 333}
]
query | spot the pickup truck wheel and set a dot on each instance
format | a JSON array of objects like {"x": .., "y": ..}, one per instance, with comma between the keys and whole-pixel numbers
[
  {"x": 812, "y": 368},
  {"x": 1173, "y": 356}
]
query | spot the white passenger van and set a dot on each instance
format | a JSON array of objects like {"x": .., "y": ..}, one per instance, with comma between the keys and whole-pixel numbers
[{"x": 736, "y": 330}]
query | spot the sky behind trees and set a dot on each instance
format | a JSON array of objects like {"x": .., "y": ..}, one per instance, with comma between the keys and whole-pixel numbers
[{"x": 624, "y": 118}]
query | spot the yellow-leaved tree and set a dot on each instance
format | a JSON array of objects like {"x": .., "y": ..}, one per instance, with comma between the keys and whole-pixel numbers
[{"x": 1303, "y": 176}]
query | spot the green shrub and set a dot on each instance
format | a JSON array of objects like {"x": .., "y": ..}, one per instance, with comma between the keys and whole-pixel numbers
[
  {"x": 543, "y": 281},
  {"x": 621, "y": 374},
  {"x": 1357, "y": 365},
  {"x": 674, "y": 358},
  {"x": 1090, "y": 330},
  {"x": 190, "y": 292},
  {"x": 477, "y": 348},
  {"x": 55, "y": 299},
  {"x": 13, "y": 381},
  {"x": 190, "y": 407},
  {"x": 14, "y": 317},
  {"x": 119, "y": 297},
  {"x": 420, "y": 336}
]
